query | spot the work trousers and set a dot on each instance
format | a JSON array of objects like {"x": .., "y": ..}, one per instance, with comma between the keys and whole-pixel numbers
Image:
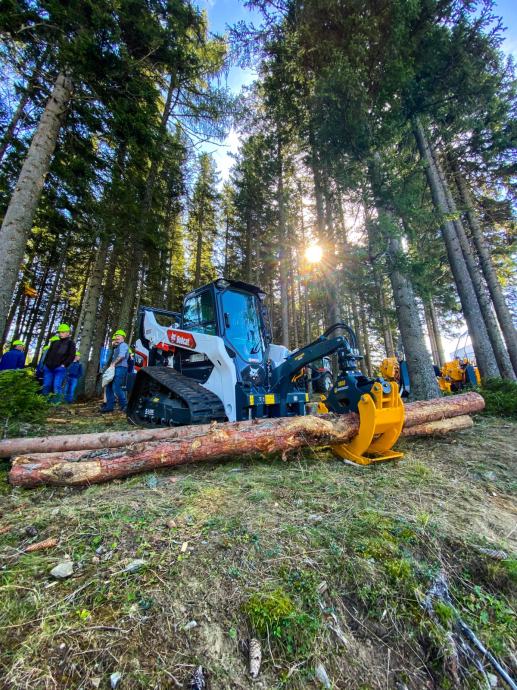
[
  {"x": 116, "y": 389},
  {"x": 53, "y": 381}
]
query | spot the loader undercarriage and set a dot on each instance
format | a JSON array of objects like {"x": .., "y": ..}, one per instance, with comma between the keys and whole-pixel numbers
[{"x": 164, "y": 397}]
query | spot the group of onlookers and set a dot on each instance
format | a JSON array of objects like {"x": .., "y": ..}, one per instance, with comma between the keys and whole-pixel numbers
[{"x": 59, "y": 368}]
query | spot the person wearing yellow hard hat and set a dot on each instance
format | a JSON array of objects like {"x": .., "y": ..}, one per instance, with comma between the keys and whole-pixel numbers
[
  {"x": 73, "y": 374},
  {"x": 119, "y": 362},
  {"x": 15, "y": 358},
  {"x": 60, "y": 354}
]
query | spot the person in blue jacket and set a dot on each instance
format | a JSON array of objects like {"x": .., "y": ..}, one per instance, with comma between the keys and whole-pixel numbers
[
  {"x": 73, "y": 374},
  {"x": 15, "y": 358}
]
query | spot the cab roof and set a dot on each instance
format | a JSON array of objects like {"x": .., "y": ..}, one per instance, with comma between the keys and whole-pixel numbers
[{"x": 223, "y": 284}]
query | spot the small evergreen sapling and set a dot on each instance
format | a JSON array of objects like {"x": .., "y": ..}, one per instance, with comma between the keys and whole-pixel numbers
[{"x": 20, "y": 401}]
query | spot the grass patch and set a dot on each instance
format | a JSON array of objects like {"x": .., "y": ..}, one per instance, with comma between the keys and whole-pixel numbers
[{"x": 302, "y": 554}]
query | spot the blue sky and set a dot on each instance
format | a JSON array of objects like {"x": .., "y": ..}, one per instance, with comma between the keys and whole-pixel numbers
[{"x": 224, "y": 13}]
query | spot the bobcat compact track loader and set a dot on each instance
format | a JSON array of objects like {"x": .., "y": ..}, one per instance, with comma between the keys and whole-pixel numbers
[{"x": 215, "y": 362}]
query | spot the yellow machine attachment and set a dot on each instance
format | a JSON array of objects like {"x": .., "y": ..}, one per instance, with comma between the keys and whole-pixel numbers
[
  {"x": 390, "y": 369},
  {"x": 444, "y": 385},
  {"x": 458, "y": 373},
  {"x": 322, "y": 408},
  {"x": 381, "y": 418}
]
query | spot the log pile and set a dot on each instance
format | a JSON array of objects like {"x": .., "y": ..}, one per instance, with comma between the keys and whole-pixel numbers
[{"x": 94, "y": 458}]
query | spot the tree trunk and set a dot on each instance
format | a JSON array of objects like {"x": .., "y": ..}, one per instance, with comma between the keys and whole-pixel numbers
[
  {"x": 132, "y": 272},
  {"x": 226, "y": 245},
  {"x": 366, "y": 341},
  {"x": 437, "y": 335},
  {"x": 358, "y": 331},
  {"x": 84, "y": 291},
  {"x": 199, "y": 250},
  {"x": 503, "y": 313},
  {"x": 485, "y": 357},
  {"x": 332, "y": 275},
  {"x": 14, "y": 307},
  {"x": 282, "y": 243},
  {"x": 430, "y": 333},
  {"x": 101, "y": 323},
  {"x": 318, "y": 193},
  {"x": 386, "y": 330},
  {"x": 18, "y": 218},
  {"x": 91, "y": 307},
  {"x": 53, "y": 291},
  {"x": 247, "y": 263},
  {"x": 421, "y": 372},
  {"x": 476, "y": 276},
  {"x": 19, "y": 316},
  {"x": 149, "y": 255},
  {"x": 135, "y": 307},
  {"x": 221, "y": 441},
  {"x": 307, "y": 322},
  {"x": 37, "y": 305}
]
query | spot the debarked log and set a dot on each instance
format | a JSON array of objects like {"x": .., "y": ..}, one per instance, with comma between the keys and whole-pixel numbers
[{"x": 196, "y": 444}]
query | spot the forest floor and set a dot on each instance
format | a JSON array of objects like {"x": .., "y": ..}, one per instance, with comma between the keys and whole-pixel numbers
[{"x": 326, "y": 563}]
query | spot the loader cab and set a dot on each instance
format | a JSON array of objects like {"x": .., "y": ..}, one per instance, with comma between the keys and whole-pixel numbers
[{"x": 234, "y": 311}]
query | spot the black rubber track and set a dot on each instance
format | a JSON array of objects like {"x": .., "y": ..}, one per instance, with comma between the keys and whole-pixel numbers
[{"x": 203, "y": 405}]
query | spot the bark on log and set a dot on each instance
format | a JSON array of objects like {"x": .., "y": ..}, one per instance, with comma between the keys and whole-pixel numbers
[
  {"x": 10, "y": 447},
  {"x": 219, "y": 441},
  {"x": 423, "y": 411},
  {"x": 418, "y": 412},
  {"x": 440, "y": 427}
]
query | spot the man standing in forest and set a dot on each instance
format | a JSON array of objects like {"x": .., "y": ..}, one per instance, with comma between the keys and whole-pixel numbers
[
  {"x": 120, "y": 363},
  {"x": 15, "y": 358},
  {"x": 60, "y": 354}
]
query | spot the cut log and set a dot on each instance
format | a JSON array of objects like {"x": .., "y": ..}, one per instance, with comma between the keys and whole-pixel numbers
[
  {"x": 416, "y": 413},
  {"x": 440, "y": 427},
  {"x": 424, "y": 411},
  {"x": 201, "y": 444},
  {"x": 10, "y": 447},
  {"x": 221, "y": 441}
]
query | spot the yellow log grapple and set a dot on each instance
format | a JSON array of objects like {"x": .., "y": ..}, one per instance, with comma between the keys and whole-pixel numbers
[{"x": 381, "y": 418}]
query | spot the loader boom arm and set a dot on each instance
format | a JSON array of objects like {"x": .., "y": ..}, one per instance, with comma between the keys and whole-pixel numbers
[{"x": 321, "y": 347}]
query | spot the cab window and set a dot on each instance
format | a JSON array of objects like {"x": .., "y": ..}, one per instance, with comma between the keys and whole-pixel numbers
[
  {"x": 199, "y": 314},
  {"x": 243, "y": 325}
]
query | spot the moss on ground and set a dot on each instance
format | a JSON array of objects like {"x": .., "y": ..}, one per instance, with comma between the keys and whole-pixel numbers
[{"x": 324, "y": 562}]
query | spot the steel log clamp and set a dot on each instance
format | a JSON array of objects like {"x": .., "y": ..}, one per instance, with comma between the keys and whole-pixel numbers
[
  {"x": 378, "y": 403},
  {"x": 381, "y": 418}
]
